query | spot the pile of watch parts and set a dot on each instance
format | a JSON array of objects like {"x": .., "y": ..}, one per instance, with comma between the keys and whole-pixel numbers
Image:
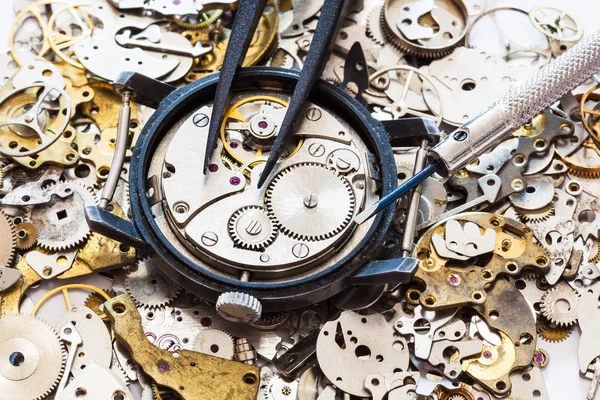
[{"x": 508, "y": 249}]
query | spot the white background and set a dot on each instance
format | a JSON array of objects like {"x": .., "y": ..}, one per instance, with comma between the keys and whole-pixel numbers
[{"x": 561, "y": 376}]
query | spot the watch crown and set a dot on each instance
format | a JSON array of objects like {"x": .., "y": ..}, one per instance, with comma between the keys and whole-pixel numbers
[{"x": 238, "y": 307}]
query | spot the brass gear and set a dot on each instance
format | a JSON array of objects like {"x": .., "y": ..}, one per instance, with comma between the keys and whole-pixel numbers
[
  {"x": 204, "y": 20},
  {"x": 94, "y": 301},
  {"x": 26, "y": 235},
  {"x": 8, "y": 240},
  {"x": 34, "y": 358},
  {"x": 595, "y": 252},
  {"x": 163, "y": 393},
  {"x": 552, "y": 333}
]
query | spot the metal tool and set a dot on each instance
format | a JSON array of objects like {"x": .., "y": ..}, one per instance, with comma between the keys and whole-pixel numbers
[
  {"x": 245, "y": 24},
  {"x": 246, "y": 21},
  {"x": 520, "y": 104},
  {"x": 316, "y": 59}
]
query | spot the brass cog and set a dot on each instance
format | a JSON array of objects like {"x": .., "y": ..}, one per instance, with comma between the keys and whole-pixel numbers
[
  {"x": 8, "y": 240},
  {"x": 94, "y": 301},
  {"x": 26, "y": 235},
  {"x": 204, "y": 19},
  {"x": 163, "y": 393},
  {"x": 552, "y": 333}
]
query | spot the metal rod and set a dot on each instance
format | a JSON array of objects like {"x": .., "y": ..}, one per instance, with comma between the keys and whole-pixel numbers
[{"x": 120, "y": 151}]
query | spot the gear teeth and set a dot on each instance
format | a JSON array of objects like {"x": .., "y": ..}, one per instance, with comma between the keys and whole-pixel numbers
[
  {"x": 8, "y": 244},
  {"x": 374, "y": 33},
  {"x": 63, "y": 353},
  {"x": 89, "y": 198},
  {"x": 411, "y": 49},
  {"x": 550, "y": 311},
  {"x": 27, "y": 242},
  {"x": 291, "y": 233},
  {"x": 200, "y": 25},
  {"x": 143, "y": 273},
  {"x": 583, "y": 171},
  {"x": 553, "y": 334},
  {"x": 239, "y": 241},
  {"x": 536, "y": 218}
]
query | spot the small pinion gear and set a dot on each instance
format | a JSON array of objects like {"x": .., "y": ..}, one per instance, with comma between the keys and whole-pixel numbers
[
  {"x": 559, "y": 305},
  {"x": 251, "y": 228},
  {"x": 148, "y": 286},
  {"x": 26, "y": 235},
  {"x": 309, "y": 201}
]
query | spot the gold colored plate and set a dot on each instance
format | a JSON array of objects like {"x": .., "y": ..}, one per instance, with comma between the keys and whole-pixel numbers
[
  {"x": 97, "y": 255},
  {"x": 192, "y": 375},
  {"x": 449, "y": 284}
]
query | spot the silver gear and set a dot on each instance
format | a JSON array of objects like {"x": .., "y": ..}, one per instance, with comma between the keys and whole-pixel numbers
[
  {"x": 374, "y": 30},
  {"x": 535, "y": 216},
  {"x": 412, "y": 47},
  {"x": 215, "y": 342},
  {"x": 251, "y": 228},
  {"x": 33, "y": 358},
  {"x": 8, "y": 240},
  {"x": 148, "y": 286},
  {"x": 559, "y": 305},
  {"x": 309, "y": 201},
  {"x": 61, "y": 223}
]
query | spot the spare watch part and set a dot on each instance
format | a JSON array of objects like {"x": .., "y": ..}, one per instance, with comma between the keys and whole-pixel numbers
[{"x": 197, "y": 225}]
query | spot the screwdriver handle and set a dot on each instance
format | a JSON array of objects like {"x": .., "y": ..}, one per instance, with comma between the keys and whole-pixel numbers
[{"x": 520, "y": 104}]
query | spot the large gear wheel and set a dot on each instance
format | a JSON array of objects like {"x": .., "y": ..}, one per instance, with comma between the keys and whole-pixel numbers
[
  {"x": 148, "y": 286},
  {"x": 440, "y": 44},
  {"x": 559, "y": 305},
  {"x": 32, "y": 358},
  {"x": 251, "y": 228},
  {"x": 374, "y": 30},
  {"x": 308, "y": 201},
  {"x": 8, "y": 240},
  {"x": 215, "y": 342},
  {"x": 61, "y": 223}
]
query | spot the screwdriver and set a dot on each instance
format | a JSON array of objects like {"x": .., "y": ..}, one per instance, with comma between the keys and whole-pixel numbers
[{"x": 520, "y": 104}]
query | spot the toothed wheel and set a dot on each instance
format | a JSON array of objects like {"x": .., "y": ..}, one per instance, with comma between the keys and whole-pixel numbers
[
  {"x": 374, "y": 31},
  {"x": 149, "y": 287},
  {"x": 61, "y": 223},
  {"x": 32, "y": 358},
  {"x": 442, "y": 39},
  {"x": 308, "y": 201},
  {"x": 8, "y": 240},
  {"x": 215, "y": 342},
  {"x": 535, "y": 216},
  {"x": 26, "y": 235},
  {"x": 559, "y": 305},
  {"x": 553, "y": 333},
  {"x": 251, "y": 228}
]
